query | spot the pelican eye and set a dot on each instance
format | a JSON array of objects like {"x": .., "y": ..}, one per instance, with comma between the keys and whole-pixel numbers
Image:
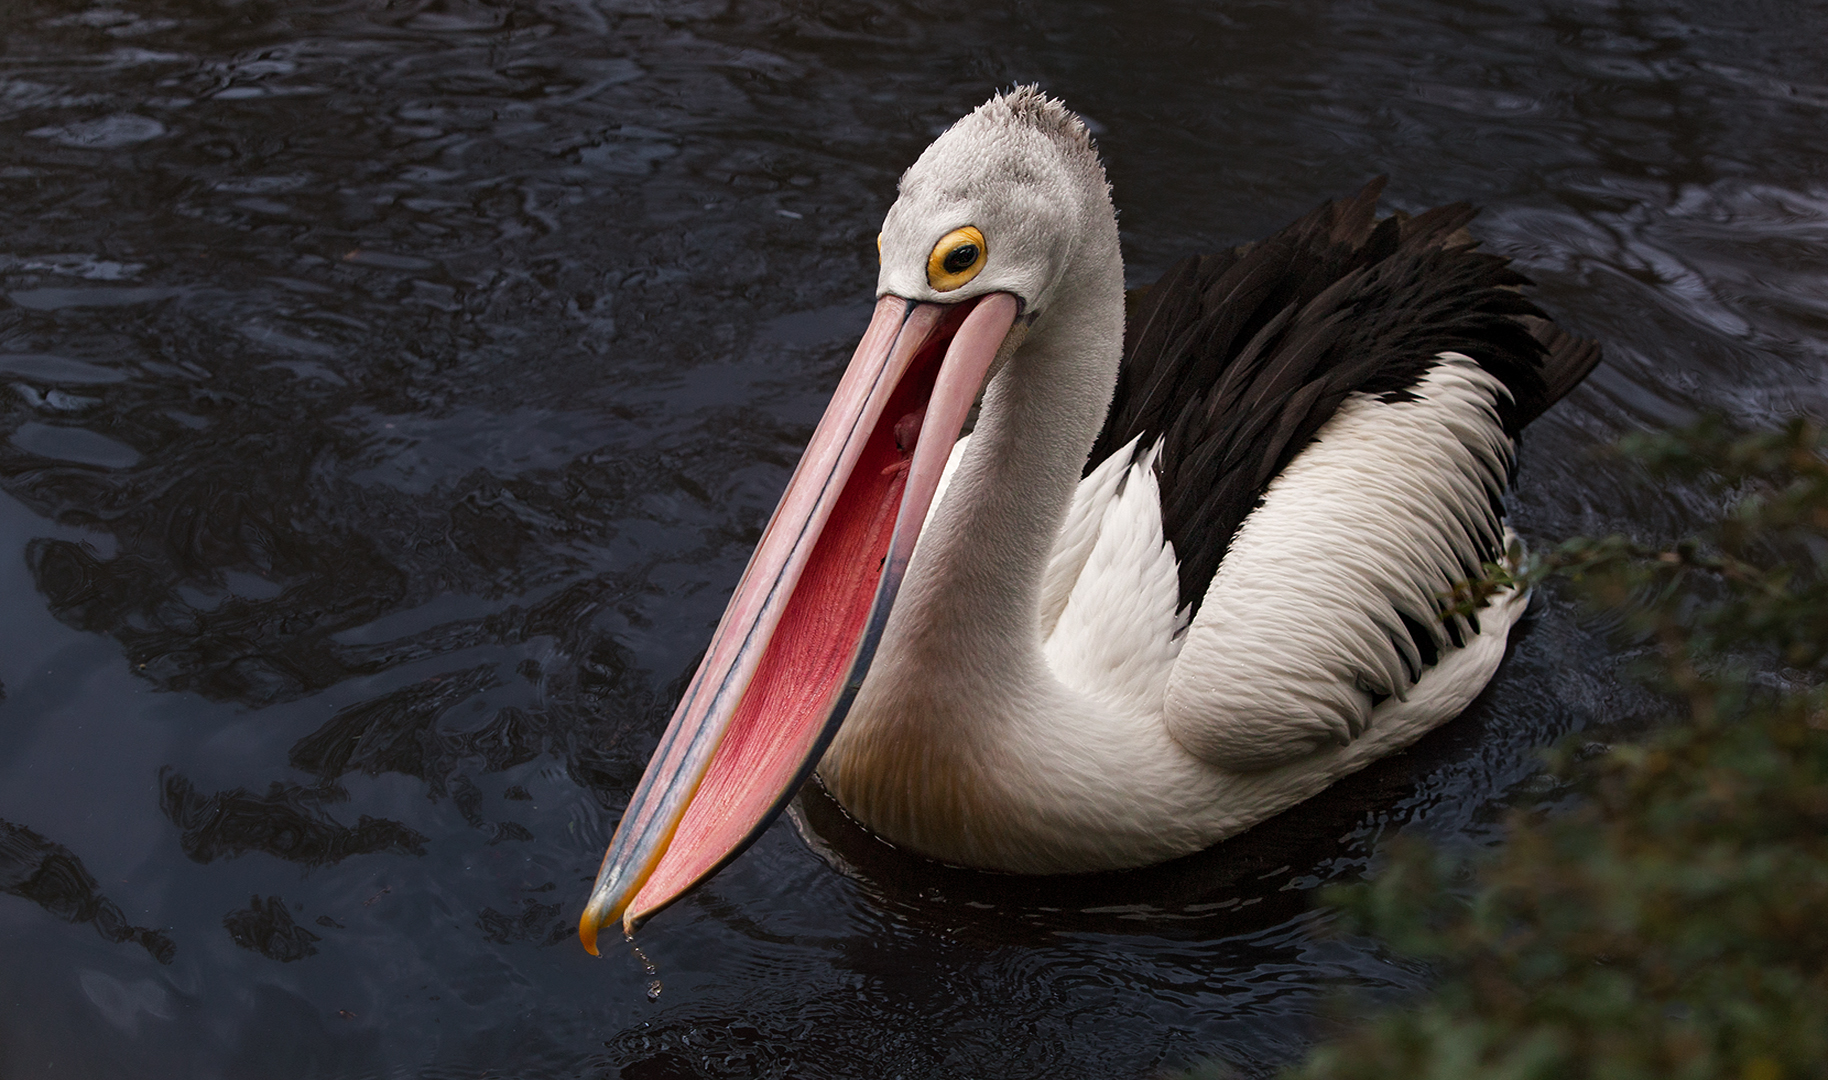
[{"x": 956, "y": 259}]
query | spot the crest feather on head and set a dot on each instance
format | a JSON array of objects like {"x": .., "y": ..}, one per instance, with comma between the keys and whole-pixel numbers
[{"x": 1029, "y": 106}]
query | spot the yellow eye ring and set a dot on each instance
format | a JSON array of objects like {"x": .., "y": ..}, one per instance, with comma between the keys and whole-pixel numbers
[{"x": 956, "y": 259}]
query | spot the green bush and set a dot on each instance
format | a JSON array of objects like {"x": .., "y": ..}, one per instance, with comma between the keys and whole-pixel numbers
[{"x": 1674, "y": 924}]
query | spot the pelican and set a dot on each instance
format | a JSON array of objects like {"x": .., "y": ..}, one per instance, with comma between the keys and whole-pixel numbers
[{"x": 1183, "y": 573}]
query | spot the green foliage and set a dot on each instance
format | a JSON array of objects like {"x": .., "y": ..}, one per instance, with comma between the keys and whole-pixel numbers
[{"x": 1675, "y": 923}]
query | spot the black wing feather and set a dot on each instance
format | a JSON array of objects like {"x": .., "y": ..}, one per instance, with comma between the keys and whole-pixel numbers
[{"x": 1235, "y": 360}]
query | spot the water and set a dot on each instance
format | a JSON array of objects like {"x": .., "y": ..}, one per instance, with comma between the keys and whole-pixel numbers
[{"x": 390, "y": 393}]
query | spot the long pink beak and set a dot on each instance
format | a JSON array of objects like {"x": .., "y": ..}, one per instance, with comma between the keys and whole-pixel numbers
[{"x": 796, "y": 641}]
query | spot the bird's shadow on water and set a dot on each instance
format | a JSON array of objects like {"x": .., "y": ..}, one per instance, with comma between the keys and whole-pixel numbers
[{"x": 1251, "y": 882}]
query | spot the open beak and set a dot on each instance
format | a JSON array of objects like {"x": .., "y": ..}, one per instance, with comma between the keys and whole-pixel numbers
[{"x": 796, "y": 641}]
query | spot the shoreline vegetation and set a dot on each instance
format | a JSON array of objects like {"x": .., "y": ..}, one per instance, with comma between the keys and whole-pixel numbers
[{"x": 1668, "y": 918}]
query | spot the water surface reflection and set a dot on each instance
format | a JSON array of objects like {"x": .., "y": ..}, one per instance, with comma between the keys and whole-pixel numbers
[{"x": 393, "y": 391}]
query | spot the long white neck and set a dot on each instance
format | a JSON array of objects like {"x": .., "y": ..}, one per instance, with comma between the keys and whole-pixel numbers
[
  {"x": 971, "y": 600},
  {"x": 961, "y": 664}
]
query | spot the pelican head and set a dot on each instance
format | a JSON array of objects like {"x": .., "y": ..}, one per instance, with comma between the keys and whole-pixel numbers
[
  {"x": 1020, "y": 180},
  {"x": 1004, "y": 218}
]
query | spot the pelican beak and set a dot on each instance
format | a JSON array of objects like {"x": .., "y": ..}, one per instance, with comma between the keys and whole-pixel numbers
[{"x": 796, "y": 641}]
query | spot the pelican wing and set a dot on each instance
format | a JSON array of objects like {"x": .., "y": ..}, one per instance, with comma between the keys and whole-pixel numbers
[
  {"x": 1348, "y": 395},
  {"x": 1329, "y": 599}
]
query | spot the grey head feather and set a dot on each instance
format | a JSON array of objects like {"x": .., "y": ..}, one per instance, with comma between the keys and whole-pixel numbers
[
  {"x": 1030, "y": 107},
  {"x": 1013, "y": 119}
]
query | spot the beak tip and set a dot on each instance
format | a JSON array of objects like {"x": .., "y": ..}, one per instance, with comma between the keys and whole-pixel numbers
[{"x": 591, "y": 923}]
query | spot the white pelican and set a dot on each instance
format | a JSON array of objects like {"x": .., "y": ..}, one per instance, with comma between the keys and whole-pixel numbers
[{"x": 1179, "y": 577}]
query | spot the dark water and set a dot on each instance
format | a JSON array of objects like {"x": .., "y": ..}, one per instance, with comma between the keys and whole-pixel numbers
[{"x": 390, "y": 393}]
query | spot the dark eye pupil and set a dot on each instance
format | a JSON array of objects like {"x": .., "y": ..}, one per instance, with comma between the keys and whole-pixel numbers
[{"x": 960, "y": 258}]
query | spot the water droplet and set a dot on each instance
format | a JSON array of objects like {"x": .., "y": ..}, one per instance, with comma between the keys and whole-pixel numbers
[{"x": 647, "y": 966}]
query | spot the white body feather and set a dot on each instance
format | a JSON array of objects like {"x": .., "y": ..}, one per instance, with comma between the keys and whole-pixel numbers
[{"x": 1145, "y": 738}]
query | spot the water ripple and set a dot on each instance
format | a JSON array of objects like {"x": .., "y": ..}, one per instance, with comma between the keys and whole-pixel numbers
[{"x": 395, "y": 391}]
